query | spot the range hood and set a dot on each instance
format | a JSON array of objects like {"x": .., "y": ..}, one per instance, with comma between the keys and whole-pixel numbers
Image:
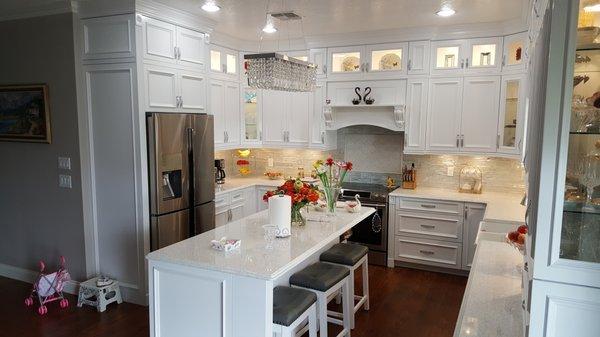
[{"x": 389, "y": 117}]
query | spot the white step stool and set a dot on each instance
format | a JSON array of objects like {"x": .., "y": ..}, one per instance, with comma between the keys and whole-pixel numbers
[{"x": 91, "y": 294}]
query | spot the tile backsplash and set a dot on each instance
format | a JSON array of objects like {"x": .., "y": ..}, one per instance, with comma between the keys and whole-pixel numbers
[{"x": 376, "y": 154}]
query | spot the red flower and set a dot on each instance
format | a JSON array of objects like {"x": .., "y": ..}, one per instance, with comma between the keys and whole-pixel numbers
[
  {"x": 329, "y": 161},
  {"x": 348, "y": 166},
  {"x": 268, "y": 195},
  {"x": 313, "y": 197}
]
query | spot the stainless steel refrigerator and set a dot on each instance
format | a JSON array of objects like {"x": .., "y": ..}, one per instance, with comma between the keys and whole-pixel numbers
[{"x": 181, "y": 173}]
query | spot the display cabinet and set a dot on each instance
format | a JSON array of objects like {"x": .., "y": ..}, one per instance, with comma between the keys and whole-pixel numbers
[
  {"x": 513, "y": 58},
  {"x": 346, "y": 62},
  {"x": 251, "y": 116},
  {"x": 483, "y": 55},
  {"x": 223, "y": 62},
  {"x": 386, "y": 60},
  {"x": 510, "y": 118},
  {"x": 447, "y": 57}
]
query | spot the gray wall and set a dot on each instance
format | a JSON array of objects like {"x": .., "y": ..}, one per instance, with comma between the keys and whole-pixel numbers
[{"x": 39, "y": 220}]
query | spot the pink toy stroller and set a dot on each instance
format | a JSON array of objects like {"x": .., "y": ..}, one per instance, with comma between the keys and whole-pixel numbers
[{"x": 49, "y": 287}]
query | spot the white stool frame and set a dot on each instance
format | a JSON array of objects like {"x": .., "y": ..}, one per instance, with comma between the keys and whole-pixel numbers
[
  {"x": 323, "y": 298},
  {"x": 362, "y": 300},
  {"x": 288, "y": 331}
]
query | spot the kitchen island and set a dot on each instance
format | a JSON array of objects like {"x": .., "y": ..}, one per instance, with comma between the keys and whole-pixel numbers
[{"x": 195, "y": 290}]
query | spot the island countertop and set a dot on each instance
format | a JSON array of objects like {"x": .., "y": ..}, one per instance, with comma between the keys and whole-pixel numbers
[{"x": 254, "y": 258}]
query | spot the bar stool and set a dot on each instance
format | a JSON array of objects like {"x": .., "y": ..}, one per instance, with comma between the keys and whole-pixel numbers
[
  {"x": 291, "y": 307},
  {"x": 351, "y": 256},
  {"x": 324, "y": 280}
]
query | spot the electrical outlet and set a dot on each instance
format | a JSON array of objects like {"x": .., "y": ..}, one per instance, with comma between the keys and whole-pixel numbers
[
  {"x": 450, "y": 171},
  {"x": 64, "y": 163},
  {"x": 64, "y": 181},
  {"x": 270, "y": 162}
]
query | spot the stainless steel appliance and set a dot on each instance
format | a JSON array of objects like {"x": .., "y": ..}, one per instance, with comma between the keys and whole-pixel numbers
[
  {"x": 181, "y": 176},
  {"x": 220, "y": 171},
  {"x": 372, "y": 231}
]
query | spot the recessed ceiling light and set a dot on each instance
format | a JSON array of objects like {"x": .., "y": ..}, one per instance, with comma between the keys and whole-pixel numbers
[
  {"x": 445, "y": 11},
  {"x": 210, "y": 6},
  {"x": 269, "y": 28},
  {"x": 592, "y": 8}
]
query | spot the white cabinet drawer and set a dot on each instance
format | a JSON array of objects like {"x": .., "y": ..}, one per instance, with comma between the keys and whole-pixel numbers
[
  {"x": 237, "y": 197},
  {"x": 429, "y": 252},
  {"x": 425, "y": 225},
  {"x": 222, "y": 201},
  {"x": 447, "y": 207}
]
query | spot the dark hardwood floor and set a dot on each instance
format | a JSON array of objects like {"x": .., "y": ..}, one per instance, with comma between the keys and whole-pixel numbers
[{"x": 404, "y": 302}]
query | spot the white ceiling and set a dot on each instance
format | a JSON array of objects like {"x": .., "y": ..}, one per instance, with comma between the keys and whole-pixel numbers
[{"x": 244, "y": 19}]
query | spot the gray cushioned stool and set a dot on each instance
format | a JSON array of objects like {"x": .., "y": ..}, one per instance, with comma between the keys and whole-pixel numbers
[
  {"x": 291, "y": 308},
  {"x": 351, "y": 256},
  {"x": 325, "y": 280}
]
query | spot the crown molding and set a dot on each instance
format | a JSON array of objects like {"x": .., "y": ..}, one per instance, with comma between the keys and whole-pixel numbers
[
  {"x": 31, "y": 11},
  {"x": 91, "y": 8},
  {"x": 172, "y": 15}
]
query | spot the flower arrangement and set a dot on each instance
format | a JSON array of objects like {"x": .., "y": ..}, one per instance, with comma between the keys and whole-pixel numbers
[
  {"x": 332, "y": 175},
  {"x": 301, "y": 193}
]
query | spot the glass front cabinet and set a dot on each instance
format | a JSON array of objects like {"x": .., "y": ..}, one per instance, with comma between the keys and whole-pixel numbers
[
  {"x": 473, "y": 56},
  {"x": 514, "y": 52},
  {"x": 251, "y": 116},
  {"x": 223, "y": 61},
  {"x": 368, "y": 62},
  {"x": 510, "y": 118}
]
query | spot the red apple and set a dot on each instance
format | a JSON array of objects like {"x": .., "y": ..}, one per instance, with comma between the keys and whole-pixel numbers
[
  {"x": 513, "y": 236},
  {"x": 521, "y": 239},
  {"x": 522, "y": 229}
]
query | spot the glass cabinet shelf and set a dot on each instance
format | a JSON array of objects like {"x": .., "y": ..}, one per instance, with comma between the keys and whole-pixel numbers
[{"x": 597, "y": 133}]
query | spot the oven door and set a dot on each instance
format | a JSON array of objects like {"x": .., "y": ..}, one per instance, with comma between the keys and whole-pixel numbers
[{"x": 372, "y": 231}]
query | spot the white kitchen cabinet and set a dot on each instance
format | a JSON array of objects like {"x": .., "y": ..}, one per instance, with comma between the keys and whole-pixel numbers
[
  {"x": 285, "y": 120},
  {"x": 347, "y": 63},
  {"x": 318, "y": 57},
  {"x": 484, "y": 56},
  {"x": 418, "y": 57},
  {"x": 298, "y": 110},
  {"x": 416, "y": 115},
  {"x": 514, "y": 55},
  {"x": 448, "y": 57},
  {"x": 174, "y": 90},
  {"x": 225, "y": 106},
  {"x": 224, "y": 63},
  {"x": 479, "y": 117},
  {"x": 235, "y": 205},
  {"x": 108, "y": 37},
  {"x": 274, "y": 117},
  {"x": 473, "y": 215},
  {"x": 385, "y": 60},
  {"x": 251, "y": 117},
  {"x": 261, "y": 205},
  {"x": 168, "y": 43},
  {"x": 443, "y": 114},
  {"x": 320, "y": 138},
  {"x": 250, "y": 206},
  {"x": 511, "y": 115}
]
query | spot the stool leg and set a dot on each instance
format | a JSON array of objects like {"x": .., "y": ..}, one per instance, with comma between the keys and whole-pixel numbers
[
  {"x": 351, "y": 301},
  {"x": 322, "y": 308},
  {"x": 312, "y": 321},
  {"x": 348, "y": 306},
  {"x": 365, "y": 282}
]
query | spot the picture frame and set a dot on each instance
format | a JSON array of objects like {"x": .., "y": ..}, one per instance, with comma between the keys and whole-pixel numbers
[{"x": 25, "y": 113}]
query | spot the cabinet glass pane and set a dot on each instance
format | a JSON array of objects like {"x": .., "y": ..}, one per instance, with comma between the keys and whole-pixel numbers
[
  {"x": 447, "y": 57},
  {"x": 580, "y": 232},
  {"x": 511, "y": 109},
  {"x": 484, "y": 55},
  {"x": 251, "y": 114},
  {"x": 215, "y": 60},
  {"x": 345, "y": 62},
  {"x": 515, "y": 52},
  {"x": 231, "y": 64},
  {"x": 383, "y": 60}
]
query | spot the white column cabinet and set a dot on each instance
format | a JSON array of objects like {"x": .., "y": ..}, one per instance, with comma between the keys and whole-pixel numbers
[
  {"x": 298, "y": 111},
  {"x": 192, "y": 91},
  {"x": 190, "y": 48},
  {"x": 217, "y": 109},
  {"x": 418, "y": 57},
  {"x": 273, "y": 118},
  {"x": 416, "y": 115},
  {"x": 285, "y": 118},
  {"x": 225, "y": 106},
  {"x": 479, "y": 117},
  {"x": 232, "y": 112},
  {"x": 443, "y": 114},
  {"x": 174, "y": 90}
]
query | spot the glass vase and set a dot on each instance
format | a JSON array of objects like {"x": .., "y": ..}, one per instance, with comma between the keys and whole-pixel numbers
[
  {"x": 297, "y": 218},
  {"x": 331, "y": 196}
]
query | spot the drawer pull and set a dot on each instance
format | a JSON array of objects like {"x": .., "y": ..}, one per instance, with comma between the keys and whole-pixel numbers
[
  {"x": 428, "y": 226},
  {"x": 427, "y": 206},
  {"x": 426, "y": 252}
]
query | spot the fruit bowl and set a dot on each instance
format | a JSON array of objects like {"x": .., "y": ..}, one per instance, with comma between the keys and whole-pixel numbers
[{"x": 274, "y": 175}]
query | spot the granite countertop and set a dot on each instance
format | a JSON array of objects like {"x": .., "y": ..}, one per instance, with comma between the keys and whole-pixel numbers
[
  {"x": 500, "y": 207},
  {"x": 492, "y": 302},
  {"x": 253, "y": 258}
]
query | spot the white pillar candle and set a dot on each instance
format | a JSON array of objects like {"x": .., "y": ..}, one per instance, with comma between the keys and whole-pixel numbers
[{"x": 280, "y": 214}]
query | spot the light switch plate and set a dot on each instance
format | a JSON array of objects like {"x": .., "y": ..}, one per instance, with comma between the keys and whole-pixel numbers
[
  {"x": 450, "y": 172},
  {"x": 64, "y": 181},
  {"x": 64, "y": 163},
  {"x": 270, "y": 162}
]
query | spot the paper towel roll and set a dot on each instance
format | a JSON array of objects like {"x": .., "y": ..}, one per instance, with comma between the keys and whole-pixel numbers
[{"x": 280, "y": 214}]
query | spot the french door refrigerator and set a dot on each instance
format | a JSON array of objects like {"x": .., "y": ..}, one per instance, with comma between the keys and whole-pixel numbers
[{"x": 181, "y": 173}]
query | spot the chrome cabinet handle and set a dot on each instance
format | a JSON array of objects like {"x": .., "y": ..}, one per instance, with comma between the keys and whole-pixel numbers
[
  {"x": 324, "y": 69},
  {"x": 466, "y": 213},
  {"x": 428, "y": 226},
  {"x": 175, "y": 53},
  {"x": 260, "y": 135},
  {"x": 426, "y": 252},
  {"x": 224, "y": 136},
  {"x": 462, "y": 141},
  {"x": 462, "y": 64},
  {"x": 467, "y": 63},
  {"x": 503, "y": 60},
  {"x": 409, "y": 66},
  {"x": 225, "y": 68},
  {"x": 323, "y": 137},
  {"x": 497, "y": 141},
  {"x": 180, "y": 101},
  {"x": 457, "y": 140},
  {"x": 428, "y": 206}
]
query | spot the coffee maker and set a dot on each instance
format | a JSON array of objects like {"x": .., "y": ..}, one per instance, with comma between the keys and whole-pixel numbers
[{"x": 220, "y": 171}]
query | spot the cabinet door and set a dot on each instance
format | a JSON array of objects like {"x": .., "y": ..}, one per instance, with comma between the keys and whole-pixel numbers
[
  {"x": 273, "y": 119},
  {"x": 231, "y": 62},
  {"x": 298, "y": 110},
  {"x": 216, "y": 65},
  {"x": 416, "y": 115},
  {"x": 250, "y": 201},
  {"x": 318, "y": 57},
  {"x": 443, "y": 114},
  {"x": 260, "y": 191},
  {"x": 161, "y": 88},
  {"x": 191, "y": 48},
  {"x": 237, "y": 212},
  {"x": 473, "y": 216},
  {"x": 418, "y": 57},
  {"x": 484, "y": 56},
  {"x": 510, "y": 119},
  {"x": 192, "y": 87},
  {"x": 479, "y": 118},
  {"x": 386, "y": 60},
  {"x": 251, "y": 116},
  {"x": 513, "y": 58},
  {"x": 345, "y": 62},
  {"x": 447, "y": 57},
  {"x": 217, "y": 108},
  {"x": 159, "y": 40},
  {"x": 108, "y": 37},
  {"x": 224, "y": 62},
  {"x": 232, "y": 113},
  {"x": 317, "y": 123},
  {"x": 221, "y": 217}
]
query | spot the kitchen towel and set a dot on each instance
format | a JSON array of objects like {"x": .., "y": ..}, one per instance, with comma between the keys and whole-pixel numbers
[{"x": 280, "y": 214}]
